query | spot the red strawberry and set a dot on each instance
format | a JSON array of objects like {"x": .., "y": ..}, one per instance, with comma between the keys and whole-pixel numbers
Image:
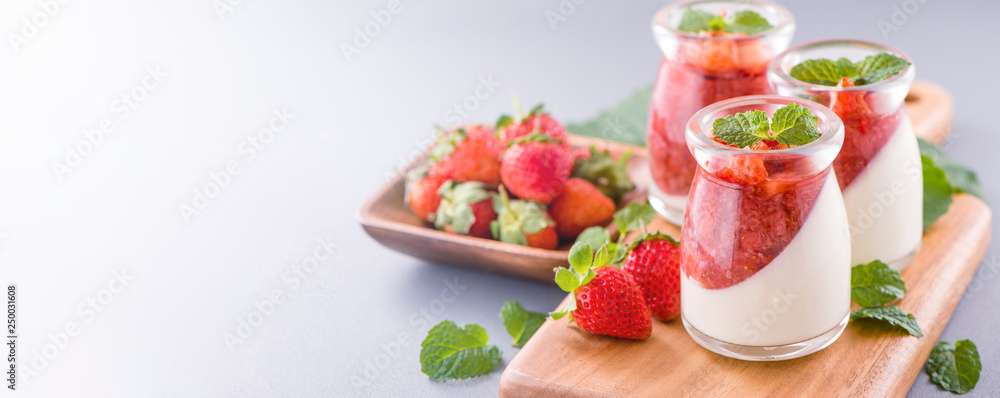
[
  {"x": 607, "y": 301},
  {"x": 422, "y": 193},
  {"x": 849, "y": 104},
  {"x": 580, "y": 206},
  {"x": 745, "y": 170},
  {"x": 523, "y": 223},
  {"x": 468, "y": 154},
  {"x": 535, "y": 167},
  {"x": 537, "y": 121},
  {"x": 654, "y": 261},
  {"x": 465, "y": 209}
]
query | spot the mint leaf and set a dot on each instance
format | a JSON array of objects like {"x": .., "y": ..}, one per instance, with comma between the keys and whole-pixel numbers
[
  {"x": 846, "y": 68},
  {"x": 748, "y": 22},
  {"x": 878, "y": 67},
  {"x": 876, "y": 284},
  {"x": 960, "y": 177},
  {"x": 595, "y": 236},
  {"x": 891, "y": 315},
  {"x": 633, "y": 217},
  {"x": 937, "y": 191},
  {"x": 626, "y": 122},
  {"x": 955, "y": 369},
  {"x": 608, "y": 174},
  {"x": 694, "y": 21},
  {"x": 450, "y": 352},
  {"x": 820, "y": 71},
  {"x": 794, "y": 124},
  {"x": 742, "y": 129},
  {"x": 520, "y": 324}
]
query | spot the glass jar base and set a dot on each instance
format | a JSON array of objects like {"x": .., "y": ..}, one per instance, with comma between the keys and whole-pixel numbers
[
  {"x": 903, "y": 262},
  {"x": 670, "y": 207},
  {"x": 766, "y": 353}
]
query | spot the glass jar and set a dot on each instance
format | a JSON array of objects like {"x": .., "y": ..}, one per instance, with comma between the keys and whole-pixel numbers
[
  {"x": 698, "y": 70},
  {"x": 879, "y": 167},
  {"x": 765, "y": 247}
]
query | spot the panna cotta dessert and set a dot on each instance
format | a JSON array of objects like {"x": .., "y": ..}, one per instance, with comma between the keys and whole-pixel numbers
[
  {"x": 712, "y": 51},
  {"x": 765, "y": 248},
  {"x": 879, "y": 167}
]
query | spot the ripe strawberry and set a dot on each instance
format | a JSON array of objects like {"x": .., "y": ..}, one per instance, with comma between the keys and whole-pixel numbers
[
  {"x": 537, "y": 121},
  {"x": 468, "y": 154},
  {"x": 849, "y": 104},
  {"x": 422, "y": 193},
  {"x": 580, "y": 206},
  {"x": 466, "y": 209},
  {"x": 523, "y": 223},
  {"x": 745, "y": 170},
  {"x": 654, "y": 261},
  {"x": 607, "y": 301},
  {"x": 607, "y": 170},
  {"x": 535, "y": 167}
]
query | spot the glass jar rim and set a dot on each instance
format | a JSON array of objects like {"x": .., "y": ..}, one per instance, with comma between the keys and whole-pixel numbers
[
  {"x": 785, "y": 19},
  {"x": 831, "y": 124},
  {"x": 777, "y": 71}
]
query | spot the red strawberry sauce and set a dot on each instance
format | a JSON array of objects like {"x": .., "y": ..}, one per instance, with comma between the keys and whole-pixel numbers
[
  {"x": 680, "y": 91},
  {"x": 865, "y": 133},
  {"x": 740, "y": 218}
]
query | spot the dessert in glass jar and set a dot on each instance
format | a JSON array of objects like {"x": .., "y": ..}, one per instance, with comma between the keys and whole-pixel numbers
[
  {"x": 712, "y": 50},
  {"x": 765, "y": 248},
  {"x": 879, "y": 167}
]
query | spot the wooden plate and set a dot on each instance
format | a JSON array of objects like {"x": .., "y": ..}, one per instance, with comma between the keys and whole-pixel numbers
[
  {"x": 386, "y": 218},
  {"x": 868, "y": 360}
]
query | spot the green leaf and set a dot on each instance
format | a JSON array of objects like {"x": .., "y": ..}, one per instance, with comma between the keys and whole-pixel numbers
[
  {"x": 520, "y": 324},
  {"x": 937, "y": 191},
  {"x": 742, "y": 129},
  {"x": 617, "y": 252},
  {"x": 891, "y": 315},
  {"x": 960, "y": 177},
  {"x": 504, "y": 121},
  {"x": 602, "y": 257},
  {"x": 694, "y": 21},
  {"x": 748, "y": 22},
  {"x": 878, "y": 67},
  {"x": 567, "y": 280},
  {"x": 594, "y": 236},
  {"x": 450, "y": 352},
  {"x": 820, "y": 71},
  {"x": 955, "y": 369},
  {"x": 538, "y": 109},
  {"x": 557, "y": 315},
  {"x": 581, "y": 257},
  {"x": 626, "y": 122},
  {"x": 847, "y": 69},
  {"x": 876, "y": 284},
  {"x": 794, "y": 124},
  {"x": 609, "y": 175},
  {"x": 629, "y": 217},
  {"x": 589, "y": 277}
]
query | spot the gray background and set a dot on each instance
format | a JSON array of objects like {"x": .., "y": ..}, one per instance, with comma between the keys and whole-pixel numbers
[{"x": 356, "y": 121}]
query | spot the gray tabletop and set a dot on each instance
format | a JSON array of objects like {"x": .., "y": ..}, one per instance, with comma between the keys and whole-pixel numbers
[{"x": 181, "y": 178}]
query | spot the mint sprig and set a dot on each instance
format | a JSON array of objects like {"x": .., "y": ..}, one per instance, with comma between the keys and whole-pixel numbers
[
  {"x": 450, "y": 352},
  {"x": 961, "y": 178},
  {"x": 744, "y": 21},
  {"x": 827, "y": 72},
  {"x": 876, "y": 284},
  {"x": 520, "y": 323},
  {"x": 792, "y": 124},
  {"x": 955, "y": 369},
  {"x": 891, "y": 315}
]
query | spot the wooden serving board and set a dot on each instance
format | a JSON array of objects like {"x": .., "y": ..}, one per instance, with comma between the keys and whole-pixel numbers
[{"x": 868, "y": 360}]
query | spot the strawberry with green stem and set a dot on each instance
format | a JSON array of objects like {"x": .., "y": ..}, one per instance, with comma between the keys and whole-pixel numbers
[
  {"x": 422, "y": 192},
  {"x": 535, "y": 167},
  {"x": 606, "y": 300},
  {"x": 466, "y": 209},
  {"x": 536, "y": 121},
  {"x": 467, "y": 154},
  {"x": 523, "y": 222},
  {"x": 578, "y": 207},
  {"x": 654, "y": 263},
  {"x": 607, "y": 171}
]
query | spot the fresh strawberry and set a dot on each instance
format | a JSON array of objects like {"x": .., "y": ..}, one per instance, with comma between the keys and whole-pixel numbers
[
  {"x": 468, "y": 154},
  {"x": 466, "y": 209},
  {"x": 605, "y": 169},
  {"x": 523, "y": 223},
  {"x": 607, "y": 301},
  {"x": 535, "y": 167},
  {"x": 654, "y": 261},
  {"x": 849, "y": 104},
  {"x": 537, "y": 121},
  {"x": 422, "y": 193},
  {"x": 580, "y": 206}
]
